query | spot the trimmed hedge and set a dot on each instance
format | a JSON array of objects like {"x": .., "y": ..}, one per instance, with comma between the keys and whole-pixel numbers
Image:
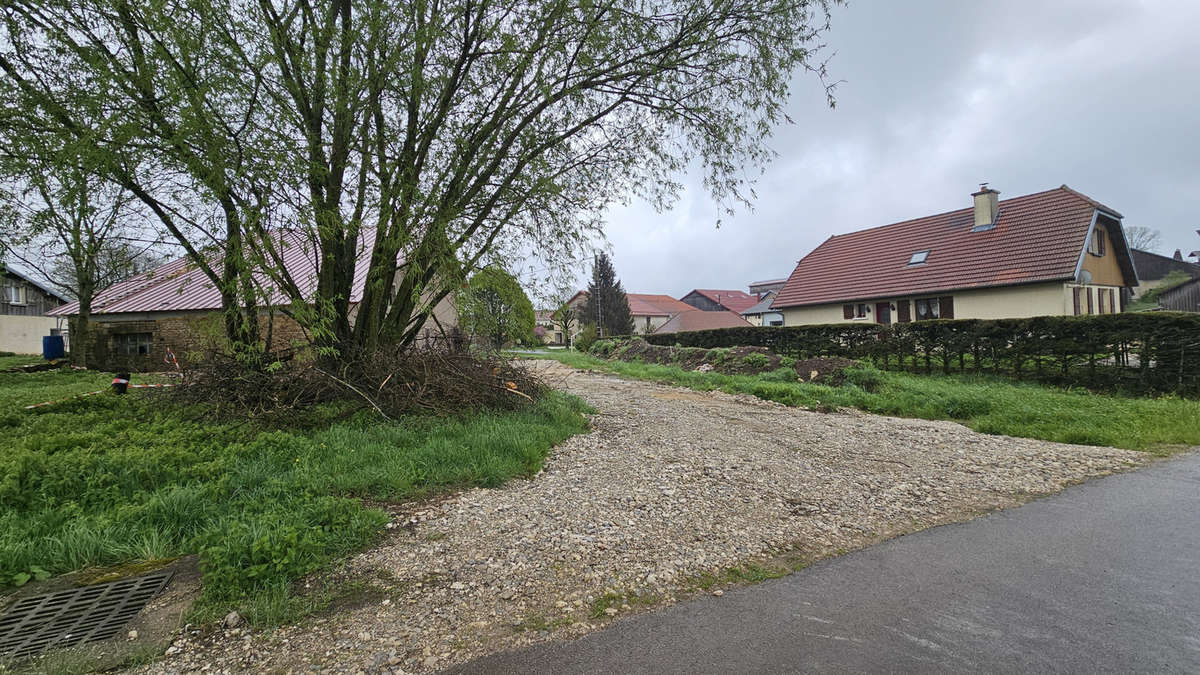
[{"x": 1137, "y": 352}]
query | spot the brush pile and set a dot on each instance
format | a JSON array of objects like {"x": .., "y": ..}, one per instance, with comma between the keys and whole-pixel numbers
[{"x": 390, "y": 381}]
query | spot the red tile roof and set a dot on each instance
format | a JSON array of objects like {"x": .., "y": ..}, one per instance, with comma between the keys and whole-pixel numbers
[
  {"x": 179, "y": 286},
  {"x": 698, "y": 319},
  {"x": 1037, "y": 237},
  {"x": 646, "y": 304},
  {"x": 734, "y": 301}
]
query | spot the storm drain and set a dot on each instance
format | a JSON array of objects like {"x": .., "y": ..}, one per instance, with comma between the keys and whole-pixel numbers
[{"x": 75, "y": 616}]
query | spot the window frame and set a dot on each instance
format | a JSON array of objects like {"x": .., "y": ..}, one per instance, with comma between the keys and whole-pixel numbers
[
  {"x": 1096, "y": 243},
  {"x": 932, "y": 305},
  {"x": 16, "y": 294},
  {"x": 131, "y": 344},
  {"x": 924, "y": 256}
]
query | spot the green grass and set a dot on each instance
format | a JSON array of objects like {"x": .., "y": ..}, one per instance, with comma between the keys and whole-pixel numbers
[
  {"x": 18, "y": 360},
  {"x": 986, "y": 404},
  {"x": 106, "y": 480},
  {"x": 617, "y": 600}
]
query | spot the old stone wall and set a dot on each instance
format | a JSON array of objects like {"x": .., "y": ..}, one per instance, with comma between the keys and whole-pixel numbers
[{"x": 186, "y": 337}]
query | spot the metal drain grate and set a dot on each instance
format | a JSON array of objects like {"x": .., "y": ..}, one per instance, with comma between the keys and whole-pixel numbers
[{"x": 75, "y": 616}]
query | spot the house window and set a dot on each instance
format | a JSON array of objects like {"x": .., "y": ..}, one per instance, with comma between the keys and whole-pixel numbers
[
  {"x": 858, "y": 311},
  {"x": 133, "y": 344},
  {"x": 16, "y": 295},
  {"x": 776, "y": 322},
  {"x": 928, "y": 308},
  {"x": 918, "y": 257},
  {"x": 1096, "y": 245}
]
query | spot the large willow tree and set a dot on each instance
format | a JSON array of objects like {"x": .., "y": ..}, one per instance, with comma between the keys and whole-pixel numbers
[{"x": 434, "y": 136}]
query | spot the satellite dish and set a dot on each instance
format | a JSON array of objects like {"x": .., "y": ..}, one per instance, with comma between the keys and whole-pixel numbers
[{"x": 1085, "y": 277}]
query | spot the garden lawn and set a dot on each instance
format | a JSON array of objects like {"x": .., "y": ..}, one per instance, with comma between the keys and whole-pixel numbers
[
  {"x": 106, "y": 480},
  {"x": 18, "y": 360},
  {"x": 986, "y": 404}
]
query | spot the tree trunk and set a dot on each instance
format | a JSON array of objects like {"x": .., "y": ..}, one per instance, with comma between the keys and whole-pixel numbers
[{"x": 81, "y": 335}]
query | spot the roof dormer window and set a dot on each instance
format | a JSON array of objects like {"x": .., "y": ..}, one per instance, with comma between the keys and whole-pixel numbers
[{"x": 919, "y": 257}]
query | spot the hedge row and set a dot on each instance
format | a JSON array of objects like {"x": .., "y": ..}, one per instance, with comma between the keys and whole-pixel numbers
[{"x": 1139, "y": 352}]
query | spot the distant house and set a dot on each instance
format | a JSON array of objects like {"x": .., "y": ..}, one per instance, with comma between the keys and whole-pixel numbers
[
  {"x": 550, "y": 332},
  {"x": 698, "y": 319},
  {"x": 650, "y": 311},
  {"x": 714, "y": 300},
  {"x": 759, "y": 289},
  {"x": 174, "y": 309},
  {"x": 761, "y": 314},
  {"x": 23, "y": 308},
  {"x": 1153, "y": 268}
]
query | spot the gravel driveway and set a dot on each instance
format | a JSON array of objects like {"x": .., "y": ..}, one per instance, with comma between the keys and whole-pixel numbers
[{"x": 671, "y": 484}]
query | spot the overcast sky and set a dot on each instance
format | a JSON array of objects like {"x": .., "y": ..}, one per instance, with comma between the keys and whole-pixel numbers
[{"x": 938, "y": 96}]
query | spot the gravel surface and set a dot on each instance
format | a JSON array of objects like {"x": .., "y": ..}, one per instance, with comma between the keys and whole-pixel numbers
[{"x": 671, "y": 484}]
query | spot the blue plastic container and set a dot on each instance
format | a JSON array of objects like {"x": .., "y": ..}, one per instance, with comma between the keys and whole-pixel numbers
[{"x": 52, "y": 347}]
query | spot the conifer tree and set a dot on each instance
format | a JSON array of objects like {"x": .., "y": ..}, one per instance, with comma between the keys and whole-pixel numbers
[{"x": 607, "y": 307}]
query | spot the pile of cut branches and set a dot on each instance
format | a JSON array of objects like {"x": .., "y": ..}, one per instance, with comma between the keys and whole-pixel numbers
[{"x": 389, "y": 381}]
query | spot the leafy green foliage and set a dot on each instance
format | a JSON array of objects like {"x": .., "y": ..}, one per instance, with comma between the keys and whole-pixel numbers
[
  {"x": 459, "y": 130},
  {"x": 493, "y": 306},
  {"x": 586, "y": 339},
  {"x": 104, "y": 480},
  {"x": 1131, "y": 352},
  {"x": 756, "y": 360},
  {"x": 603, "y": 347},
  {"x": 985, "y": 403}
]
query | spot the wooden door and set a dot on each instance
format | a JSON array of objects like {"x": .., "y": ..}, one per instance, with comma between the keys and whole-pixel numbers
[{"x": 883, "y": 312}]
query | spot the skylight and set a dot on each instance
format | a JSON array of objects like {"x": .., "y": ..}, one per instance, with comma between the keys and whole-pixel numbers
[{"x": 918, "y": 257}]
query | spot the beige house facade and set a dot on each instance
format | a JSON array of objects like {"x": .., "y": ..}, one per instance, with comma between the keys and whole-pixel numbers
[
  {"x": 23, "y": 307},
  {"x": 1048, "y": 254}
]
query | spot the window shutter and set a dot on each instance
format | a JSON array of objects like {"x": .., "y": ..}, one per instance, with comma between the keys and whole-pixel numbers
[
  {"x": 847, "y": 311},
  {"x": 1089, "y": 302},
  {"x": 902, "y": 315},
  {"x": 1075, "y": 296},
  {"x": 946, "y": 305}
]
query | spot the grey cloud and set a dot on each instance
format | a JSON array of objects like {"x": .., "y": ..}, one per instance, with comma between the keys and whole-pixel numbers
[{"x": 938, "y": 96}]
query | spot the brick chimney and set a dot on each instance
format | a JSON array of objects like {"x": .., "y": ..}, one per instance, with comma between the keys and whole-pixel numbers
[{"x": 986, "y": 206}]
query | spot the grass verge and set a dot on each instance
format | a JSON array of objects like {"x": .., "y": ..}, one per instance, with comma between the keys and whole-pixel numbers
[
  {"x": 18, "y": 360},
  {"x": 985, "y": 404},
  {"x": 108, "y": 480}
]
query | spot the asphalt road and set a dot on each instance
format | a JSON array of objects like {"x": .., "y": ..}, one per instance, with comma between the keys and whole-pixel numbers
[{"x": 1104, "y": 577}]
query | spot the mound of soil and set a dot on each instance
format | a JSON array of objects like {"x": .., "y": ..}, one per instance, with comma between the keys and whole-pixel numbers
[
  {"x": 732, "y": 361},
  {"x": 728, "y": 360},
  {"x": 824, "y": 370}
]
